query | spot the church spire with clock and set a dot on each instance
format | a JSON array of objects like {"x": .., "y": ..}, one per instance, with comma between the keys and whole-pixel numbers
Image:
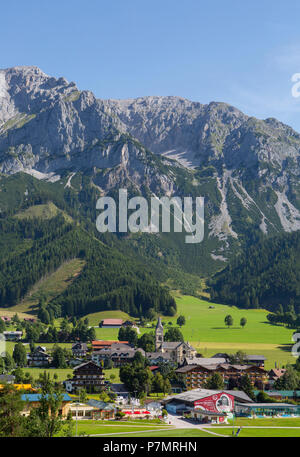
[{"x": 159, "y": 335}]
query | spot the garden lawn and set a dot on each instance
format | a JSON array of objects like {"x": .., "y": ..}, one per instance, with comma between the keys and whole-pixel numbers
[
  {"x": 96, "y": 318},
  {"x": 101, "y": 429},
  {"x": 260, "y": 432},
  {"x": 268, "y": 422},
  {"x": 206, "y": 331},
  {"x": 112, "y": 371},
  {"x": 207, "y": 325},
  {"x": 170, "y": 433},
  {"x": 49, "y": 287}
]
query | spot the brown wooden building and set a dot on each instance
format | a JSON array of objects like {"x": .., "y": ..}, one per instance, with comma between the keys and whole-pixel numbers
[
  {"x": 88, "y": 375},
  {"x": 34, "y": 401},
  {"x": 194, "y": 376}
]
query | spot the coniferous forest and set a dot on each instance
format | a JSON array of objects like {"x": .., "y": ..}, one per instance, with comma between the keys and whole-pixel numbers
[{"x": 265, "y": 275}]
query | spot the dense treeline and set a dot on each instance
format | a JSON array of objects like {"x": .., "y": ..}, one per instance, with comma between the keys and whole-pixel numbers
[
  {"x": 266, "y": 274},
  {"x": 109, "y": 279}
]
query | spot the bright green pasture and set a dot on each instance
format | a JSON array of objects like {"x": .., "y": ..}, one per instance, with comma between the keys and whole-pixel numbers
[
  {"x": 204, "y": 324},
  {"x": 206, "y": 329}
]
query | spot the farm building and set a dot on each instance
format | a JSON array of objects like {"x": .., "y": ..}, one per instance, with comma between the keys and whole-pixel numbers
[
  {"x": 274, "y": 375},
  {"x": 34, "y": 401},
  {"x": 112, "y": 323},
  {"x": 39, "y": 357},
  {"x": 282, "y": 394},
  {"x": 13, "y": 335}
]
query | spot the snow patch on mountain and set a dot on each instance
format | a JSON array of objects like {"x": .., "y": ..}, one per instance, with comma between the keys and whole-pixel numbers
[
  {"x": 220, "y": 225},
  {"x": 289, "y": 215}
]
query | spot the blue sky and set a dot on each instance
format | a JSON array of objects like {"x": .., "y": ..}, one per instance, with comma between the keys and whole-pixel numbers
[{"x": 242, "y": 53}]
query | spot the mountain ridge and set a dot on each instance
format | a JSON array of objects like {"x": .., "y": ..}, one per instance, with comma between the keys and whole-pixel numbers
[{"x": 247, "y": 169}]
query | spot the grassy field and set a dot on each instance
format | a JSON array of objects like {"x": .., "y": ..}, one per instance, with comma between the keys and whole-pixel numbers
[
  {"x": 206, "y": 330},
  {"x": 142, "y": 429},
  {"x": 92, "y": 427},
  {"x": 96, "y": 318}
]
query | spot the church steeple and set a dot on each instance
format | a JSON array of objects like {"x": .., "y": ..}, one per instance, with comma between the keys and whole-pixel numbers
[{"x": 159, "y": 335}]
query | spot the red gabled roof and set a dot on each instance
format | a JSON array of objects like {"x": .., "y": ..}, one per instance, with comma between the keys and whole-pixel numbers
[
  {"x": 153, "y": 367},
  {"x": 112, "y": 322}
]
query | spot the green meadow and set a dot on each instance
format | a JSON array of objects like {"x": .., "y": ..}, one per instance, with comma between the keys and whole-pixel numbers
[
  {"x": 123, "y": 429},
  {"x": 260, "y": 432},
  {"x": 206, "y": 330}
]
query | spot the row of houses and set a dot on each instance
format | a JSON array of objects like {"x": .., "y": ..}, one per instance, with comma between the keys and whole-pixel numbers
[
  {"x": 92, "y": 409},
  {"x": 206, "y": 405},
  {"x": 87, "y": 375}
]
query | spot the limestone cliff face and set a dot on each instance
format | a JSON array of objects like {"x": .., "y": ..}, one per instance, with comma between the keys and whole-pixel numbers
[{"x": 248, "y": 169}]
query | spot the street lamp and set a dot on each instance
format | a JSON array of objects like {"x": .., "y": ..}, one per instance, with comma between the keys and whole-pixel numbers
[{"x": 77, "y": 403}]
